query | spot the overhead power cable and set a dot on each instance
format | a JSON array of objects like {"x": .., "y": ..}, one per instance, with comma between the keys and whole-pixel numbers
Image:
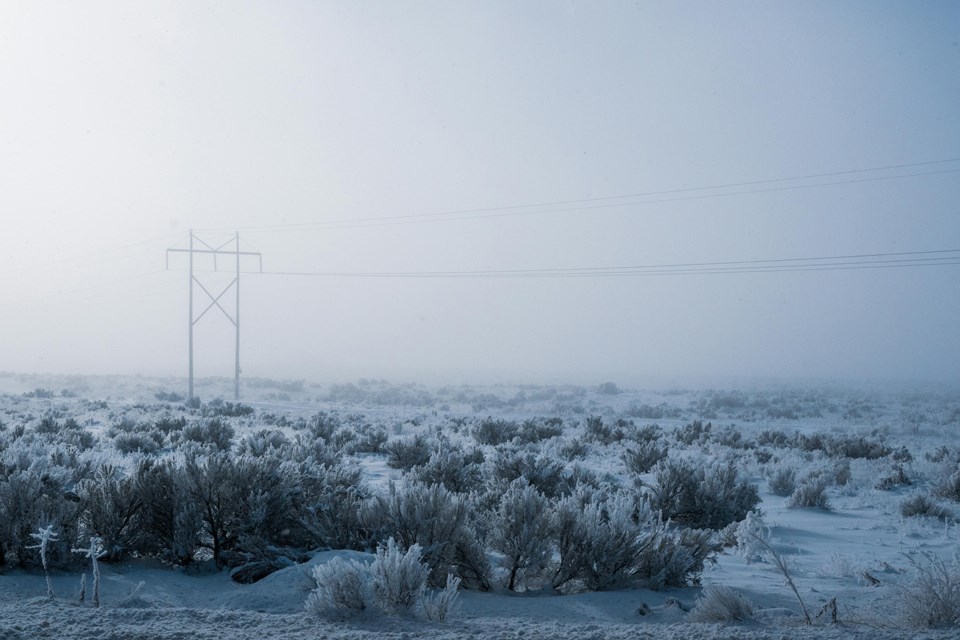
[
  {"x": 83, "y": 258},
  {"x": 602, "y": 202},
  {"x": 940, "y": 257},
  {"x": 68, "y": 292}
]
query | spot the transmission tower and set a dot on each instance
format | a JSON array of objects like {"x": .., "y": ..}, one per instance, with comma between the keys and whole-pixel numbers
[{"x": 210, "y": 250}]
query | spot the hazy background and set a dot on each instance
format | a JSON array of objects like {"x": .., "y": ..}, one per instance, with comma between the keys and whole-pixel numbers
[{"x": 122, "y": 125}]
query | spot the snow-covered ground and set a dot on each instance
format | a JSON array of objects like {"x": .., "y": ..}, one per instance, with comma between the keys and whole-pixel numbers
[{"x": 860, "y": 553}]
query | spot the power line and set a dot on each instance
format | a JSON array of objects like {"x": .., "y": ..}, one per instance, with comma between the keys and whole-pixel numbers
[
  {"x": 81, "y": 289},
  {"x": 127, "y": 295},
  {"x": 940, "y": 257},
  {"x": 603, "y": 201},
  {"x": 93, "y": 254}
]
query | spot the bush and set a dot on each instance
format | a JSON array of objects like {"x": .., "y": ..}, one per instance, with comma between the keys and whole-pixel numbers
[
  {"x": 811, "y": 494},
  {"x": 457, "y": 471},
  {"x": 328, "y": 507},
  {"x": 398, "y": 578},
  {"x": 494, "y": 432},
  {"x": 128, "y": 443},
  {"x": 539, "y": 429},
  {"x": 950, "y": 488},
  {"x": 608, "y": 389},
  {"x": 438, "y": 606},
  {"x": 596, "y": 431},
  {"x": 228, "y": 409},
  {"x": 520, "y": 530},
  {"x": 752, "y": 538},
  {"x": 693, "y": 433},
  {"x": 263, "y": 442},
  {"x": 541, "y": 471},
  {"x": 111, "y": 511},
  {"x": 600, "y": 539},
  {"x": 782, "y": 481},
  {"x": 773, "y": 438},
  {"x": 721, "y": 604},
  {"x": 341, "y": 588},
  {"x": 897, "y": 479},
  {"x": 932, "y": 599},
  {"x": 676, "y": 558},
  {"x": 407, "y": 454},
  {"x": 215, "y": 432},
  {"x": 437, "y": 520},
  {"x": 169, "y": 520},
  {"x": 857, "y": 447},
  {"x": 647, "y": 454},
  {"x": 30, "y": 499},
  {"x": 922, "y": 506},
  {"x": 701, "y": 496},
  {"x": 246, "y": 504}
]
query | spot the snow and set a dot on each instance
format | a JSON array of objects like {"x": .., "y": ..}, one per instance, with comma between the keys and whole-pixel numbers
[{"x": 828, "y": 552}]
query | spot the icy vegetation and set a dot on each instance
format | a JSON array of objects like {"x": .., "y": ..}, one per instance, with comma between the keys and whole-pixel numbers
[{"x": 351, "y": 510}]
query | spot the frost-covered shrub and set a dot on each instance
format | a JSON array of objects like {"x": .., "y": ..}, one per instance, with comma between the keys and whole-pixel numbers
[
  {"x": 520, "y": 531},
  {"x": 456, "y": 470},
  {"x": 328, "y": 506},
  {"x": 573, "y": 449},
  {"x": 218, "y": 407},
  {"x": 406, "y": 454},
  {"x": 595, "y": 430},
  {"x": 644, "y": 456},
  {"x": 35, "y": 493},
  {"x": 169, "y": 519},
  {"x": 896, "y": 479},
  {"x": 773, "y": 438},
  {"x": 321, "y": 426},
  {"x": 721, "y": 604},
  {"x": 213, "y": 432},
  {"x": 111, "y": 511},
  {"x": 920, "y": 505},
  {"x": 932, "y": 598},
  {"x": 730, "y": 436},
  {"x": 608, "y": 389},
  {"x": 263, "y": 442},
  {"x": 541, "y": 471},
  {"x": 856, "y": 447},
  {"x": 128, "y": 443},
  {"x": 494, "y": 432},
  {"x": 306, "y": 448},
  {"x": 369, "y": 440},
  {"x": 649, "y": 433},
  {"x": 398, "y": 578},
  {"x": 950, "y": 487},
  {"x": 538, "y": 429},
  {"x": 752, "y": 538},
  {"x": 168, "y": 424},
  {"x": 701, "y": 496},
  {"x": 842, "y": 474},
  {"x": 437, "y": 520},
  {"x": 600, "y": 539},
  {"x": 675, "y": 558},
  {"x": 341, "y": 588},
  {"x": 811, "y": 494},
  {"x": 782, "y": 481},
  {"x": 693, "y": 433},
  {"x": 439, "y": 605},
  {"x": 246, "y": 504}
]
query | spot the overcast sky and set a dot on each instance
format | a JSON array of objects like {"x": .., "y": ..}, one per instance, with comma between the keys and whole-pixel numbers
[{"x": 123, "y": 125}]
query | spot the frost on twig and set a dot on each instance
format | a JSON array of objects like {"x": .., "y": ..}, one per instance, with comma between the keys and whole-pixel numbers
[
  {"x": 95, "y": 551},
  {"x": 44, "y": 536}
]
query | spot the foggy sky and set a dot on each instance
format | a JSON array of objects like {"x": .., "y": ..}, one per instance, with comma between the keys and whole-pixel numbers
[{"x": 129, "y": 122}]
